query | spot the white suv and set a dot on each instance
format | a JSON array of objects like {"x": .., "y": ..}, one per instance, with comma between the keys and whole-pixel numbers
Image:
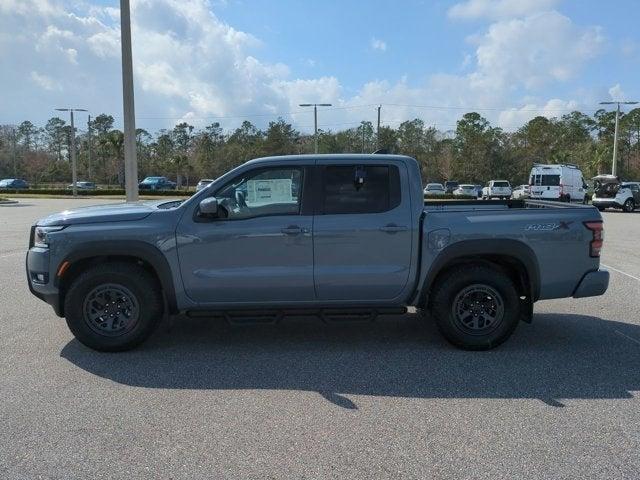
[
  {"x": 610, "y": 192},
  {"x": 497, "y": 189}
]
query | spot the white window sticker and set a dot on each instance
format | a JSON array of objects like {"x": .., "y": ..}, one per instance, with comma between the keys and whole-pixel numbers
[{"x": 263, "y": 192}]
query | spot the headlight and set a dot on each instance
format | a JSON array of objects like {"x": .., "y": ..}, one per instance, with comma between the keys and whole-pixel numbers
[{"x": 40, "y": 236}]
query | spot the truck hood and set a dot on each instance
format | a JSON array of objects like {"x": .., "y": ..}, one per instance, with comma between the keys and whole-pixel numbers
[{"x": 118, "y": 212}]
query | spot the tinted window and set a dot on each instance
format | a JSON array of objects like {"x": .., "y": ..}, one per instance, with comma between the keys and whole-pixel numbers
[
  {"x": 500, "y": 184},
  {"x": 379, "y": 190},
  {"x": 274, "y": 191},
  {"x": 547, "y": 180}
]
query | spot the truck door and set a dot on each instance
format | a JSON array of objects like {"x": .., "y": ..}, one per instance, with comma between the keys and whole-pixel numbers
[
  {"x": 260, "y": 249},
  {"x": 362, "y": 232}
]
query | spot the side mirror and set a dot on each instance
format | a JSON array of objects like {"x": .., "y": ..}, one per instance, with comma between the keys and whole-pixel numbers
[{"x": 209, "y": 207}]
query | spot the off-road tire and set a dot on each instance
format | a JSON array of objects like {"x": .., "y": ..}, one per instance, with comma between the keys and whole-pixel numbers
[
  {"x": 133, "y": 279},
  {"x": 460, "y": 279}
]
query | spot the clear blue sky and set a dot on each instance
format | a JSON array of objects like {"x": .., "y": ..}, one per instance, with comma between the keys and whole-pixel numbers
[{"x": 213, "y": 59}]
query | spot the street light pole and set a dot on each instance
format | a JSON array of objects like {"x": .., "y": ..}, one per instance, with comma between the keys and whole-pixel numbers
[
  {"x": 315, "y": 120},
  {"x": 74, "y": 168},
  {"x": 615, "y": 133},
  {"x": 130, "y": 159}
]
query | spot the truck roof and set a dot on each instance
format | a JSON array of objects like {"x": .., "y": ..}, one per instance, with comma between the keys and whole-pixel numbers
[{"x": 347, "y": 157}]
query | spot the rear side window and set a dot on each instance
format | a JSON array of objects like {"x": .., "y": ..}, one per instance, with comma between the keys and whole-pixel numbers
[
  {"x": 546, "y": 180},
  {"x": 360, "y": 189}
]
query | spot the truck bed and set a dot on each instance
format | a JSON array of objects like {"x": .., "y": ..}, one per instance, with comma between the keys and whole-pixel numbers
[{"x": 470, "y": 205}]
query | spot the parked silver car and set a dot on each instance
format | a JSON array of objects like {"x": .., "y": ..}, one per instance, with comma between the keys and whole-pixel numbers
[
  {"x": 434, "y": 189},
  {"x": 466, "y": 190},
  {"x": 82, "y": 185},
  {"x": 203, "y": 183}
]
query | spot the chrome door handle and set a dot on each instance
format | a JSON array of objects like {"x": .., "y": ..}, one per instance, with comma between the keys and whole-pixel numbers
[
  {"x": 291, "y": 230},
  {"x": 391, "y": 228}
]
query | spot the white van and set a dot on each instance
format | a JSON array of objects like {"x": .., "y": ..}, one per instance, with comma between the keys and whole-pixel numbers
[{"x": 557, "y": 182}]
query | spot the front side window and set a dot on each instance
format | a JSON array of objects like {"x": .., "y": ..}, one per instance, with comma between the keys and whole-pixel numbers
[
  {"x": 274, "y": 191},
  {"x": 360, "y": 189}
]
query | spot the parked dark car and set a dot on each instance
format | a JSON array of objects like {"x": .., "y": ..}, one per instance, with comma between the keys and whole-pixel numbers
[
  {"x": 14, "y": 183},
  {"x": 450, "y": 186},
  {"x": 157, "y": 183}
]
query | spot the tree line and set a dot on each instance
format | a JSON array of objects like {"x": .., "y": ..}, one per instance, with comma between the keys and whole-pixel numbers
[{"x": 474, "y": 152}]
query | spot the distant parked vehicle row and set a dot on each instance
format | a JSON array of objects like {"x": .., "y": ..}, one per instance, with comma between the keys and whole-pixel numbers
[
  {"x": 14, "y": 183},
  {"x": 157, "y": 183}
]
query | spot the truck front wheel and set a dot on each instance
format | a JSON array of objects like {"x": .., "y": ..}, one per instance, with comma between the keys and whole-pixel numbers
[
  {"x": 113, "y": 306},
  {"x": 476, "y": 307}
]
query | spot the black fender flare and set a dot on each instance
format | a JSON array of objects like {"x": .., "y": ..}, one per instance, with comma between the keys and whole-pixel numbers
[
  {"x": 482, "y": 249},
  {"x": 130, "y": 248}
]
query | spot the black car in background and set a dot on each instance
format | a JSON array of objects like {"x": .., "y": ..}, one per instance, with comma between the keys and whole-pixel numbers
[
  {"x": 450, "y": 186},
  {"x": 14, "y": 183}
]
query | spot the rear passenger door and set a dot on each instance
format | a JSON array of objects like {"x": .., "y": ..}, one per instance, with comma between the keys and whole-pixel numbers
[{"x": 362, "y": 232}]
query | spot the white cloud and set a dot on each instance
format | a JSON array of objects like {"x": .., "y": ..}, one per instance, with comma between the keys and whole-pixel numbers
[
  {"x": 191, "y": 65},
  {"x": 498, "y": 9},
  {"x": 616, "y": 93},
  {"x": 44, "y": 81},
  {"x": 535, "y": 50},
  {"x": 379, "y": 45},
  {"x": 515, "y": 117}
]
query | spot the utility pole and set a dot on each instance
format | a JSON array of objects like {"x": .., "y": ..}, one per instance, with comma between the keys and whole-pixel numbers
[
  {"x": 315, "y": 120},
  {"x": 378, "y": 130},
  {"x": 74, "y": 168},
  {"x": 615, "y": 133},
  {"x": 89, "y": 149},
  {"x": 130, "y": 159}
]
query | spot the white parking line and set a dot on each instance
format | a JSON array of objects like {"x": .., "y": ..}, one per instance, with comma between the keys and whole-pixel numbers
[{"x": 620, "y": 271}]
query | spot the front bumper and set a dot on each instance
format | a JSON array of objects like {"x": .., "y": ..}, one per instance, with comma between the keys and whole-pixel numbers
[
  {"x": 37, "y": 263},
  {"x": 592, "y": 284}
]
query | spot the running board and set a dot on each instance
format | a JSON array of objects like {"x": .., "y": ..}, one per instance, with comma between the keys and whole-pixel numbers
[{"x": 270, "y": 317}]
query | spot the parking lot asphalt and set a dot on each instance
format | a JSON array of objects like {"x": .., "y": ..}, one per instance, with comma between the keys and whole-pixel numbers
[{"x": 304, "y": 400}]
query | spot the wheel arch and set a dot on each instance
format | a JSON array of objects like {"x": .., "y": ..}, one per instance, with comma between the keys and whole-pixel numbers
[
  {"x": 142, "y": 253},
  {"x": 514, "y": 257}
]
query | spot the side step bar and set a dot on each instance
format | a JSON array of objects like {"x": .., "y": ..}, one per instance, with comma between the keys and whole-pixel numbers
[{"x": 327, "y": 315}]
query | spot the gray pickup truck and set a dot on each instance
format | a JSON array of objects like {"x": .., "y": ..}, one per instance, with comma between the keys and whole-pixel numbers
[{"x": 339, "y": 236}]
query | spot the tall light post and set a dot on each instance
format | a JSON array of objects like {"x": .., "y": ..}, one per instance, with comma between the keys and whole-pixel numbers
[
  {"x": 315, "y": 119},
  {"x": 74, "y": 169},
  {"x": 615, "y": 133},
  {"x": 130, "y": 159}
]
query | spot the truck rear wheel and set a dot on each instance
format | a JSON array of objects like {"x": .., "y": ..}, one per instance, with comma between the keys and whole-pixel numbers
[
  {"x": 113, "y": 307},
  {"x": 476, "y": 307}
]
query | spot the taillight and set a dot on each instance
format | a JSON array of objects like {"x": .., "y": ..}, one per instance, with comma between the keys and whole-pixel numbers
[{"x": 597, "y": 230}]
